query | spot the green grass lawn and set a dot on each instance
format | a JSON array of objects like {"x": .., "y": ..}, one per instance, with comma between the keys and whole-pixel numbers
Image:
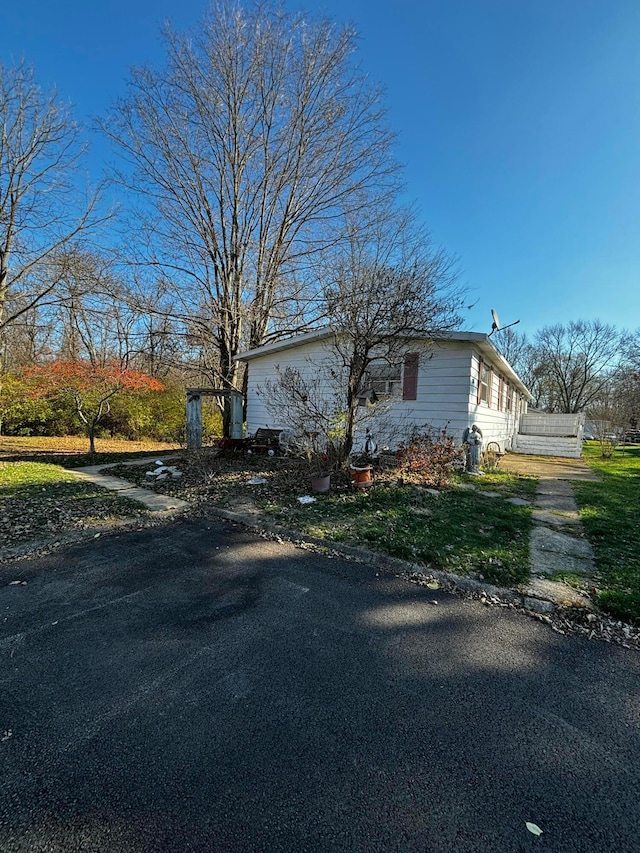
[
  {"x": 40, "y": 500},
  {"x": 610, "y": 512},
  {"x": 458, "y": 530}
]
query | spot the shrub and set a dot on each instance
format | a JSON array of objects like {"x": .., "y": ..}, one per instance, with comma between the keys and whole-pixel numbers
[
  {"x": 430, "y": 458},
  {"x": 157, "y": 415}
]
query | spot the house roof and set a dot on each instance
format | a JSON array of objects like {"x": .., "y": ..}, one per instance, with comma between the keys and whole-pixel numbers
[
  {"x": 287, "y": 343},
  {"x": 479, "y": 340}
]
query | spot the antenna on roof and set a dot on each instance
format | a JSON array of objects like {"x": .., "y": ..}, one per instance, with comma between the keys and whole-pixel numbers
[{"x": 496, "y": 327}]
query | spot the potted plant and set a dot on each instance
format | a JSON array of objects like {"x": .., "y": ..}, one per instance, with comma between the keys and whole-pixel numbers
[
  {"x": 317, "y": 460},
  {"x": 321, "y": 481}
]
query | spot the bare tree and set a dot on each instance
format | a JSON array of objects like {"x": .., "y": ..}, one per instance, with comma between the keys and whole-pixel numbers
[
  {"x": 631, "y": 351},
  {"x": 608, "y": 416},
  {"x": 246, "y": 149},
  {"x": 86, "y": 310},
  {"x": 627, "y": 389},
  {"x": 41, "y": 208},
  {"x": 25, "y": 341},
  {"x": 388, "y": 288},
  {"x": 573, "y": 363},
  {"x": 514, "y": 346},
  {"x": 626, "y": 382},
  {"x": 387, "y": 291}
]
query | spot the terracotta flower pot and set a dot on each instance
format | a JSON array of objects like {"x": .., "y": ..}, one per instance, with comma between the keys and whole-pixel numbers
[
  {"x": 361, "y": 476},
  {"x": 321, "y": 482}
]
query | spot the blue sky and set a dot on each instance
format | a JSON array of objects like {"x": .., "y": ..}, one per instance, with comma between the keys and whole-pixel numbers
[{"x": 518, "y": 125}]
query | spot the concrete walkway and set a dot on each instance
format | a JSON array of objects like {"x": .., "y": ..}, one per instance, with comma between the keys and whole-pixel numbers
[
  {"x": 154, "y": 502},
  {"x": 557, "y": 544}
]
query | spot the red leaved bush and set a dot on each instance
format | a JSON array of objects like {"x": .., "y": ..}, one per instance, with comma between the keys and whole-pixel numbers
[
  {"x": 56, "y": 376},
  {"x": 90, "y": 387}
]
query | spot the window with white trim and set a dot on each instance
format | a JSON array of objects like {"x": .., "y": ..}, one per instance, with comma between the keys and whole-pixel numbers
[
  {"x": 485, "y": 383},
  {"x": 510, "y": 396},
  {"x": 384, "y": 379}
]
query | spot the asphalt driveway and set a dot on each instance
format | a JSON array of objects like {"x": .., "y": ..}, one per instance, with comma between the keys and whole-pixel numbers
[{"x": 197, "y": 688}]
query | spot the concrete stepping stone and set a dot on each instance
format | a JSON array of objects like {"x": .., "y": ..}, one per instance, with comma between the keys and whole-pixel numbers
[
  {"x": 557, "y": 519},
  {"x": 151, "y": 500},
  {"x": 113, "y": 484},
  {"x": 518, "y": 502},
  {"x": 551, "y": 550},
  {"x": 555, "y": 487},
  {"x": 554, "y": 591},
  {"x": 544, "y": 539},
  {"x": 552, "y": 562},
  {"x": 489, "y": 494},
  {"x": 155, "y": 502},
  {"x": 556, "y": 502},
  {"x": 552, "y": 547}
]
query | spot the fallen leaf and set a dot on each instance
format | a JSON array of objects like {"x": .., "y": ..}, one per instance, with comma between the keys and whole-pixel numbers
[
  {"x": 433, "y": 585},
  {"x": 533, "y": 828}
]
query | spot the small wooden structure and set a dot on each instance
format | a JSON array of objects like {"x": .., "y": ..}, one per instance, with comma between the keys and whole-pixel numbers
[
  {"x": 543, "y": 434},
  {"x": 194, "y": 413}
]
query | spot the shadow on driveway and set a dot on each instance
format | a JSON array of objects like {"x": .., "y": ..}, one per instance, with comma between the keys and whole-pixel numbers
[{"x": 197, "y": 688}]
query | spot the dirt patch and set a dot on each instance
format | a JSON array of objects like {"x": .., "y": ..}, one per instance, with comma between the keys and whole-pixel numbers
[{"x": 547, "y": 467}]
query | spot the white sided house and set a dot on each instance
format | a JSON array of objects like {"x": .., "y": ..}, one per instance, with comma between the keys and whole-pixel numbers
[{"x": 459, "y": 380}]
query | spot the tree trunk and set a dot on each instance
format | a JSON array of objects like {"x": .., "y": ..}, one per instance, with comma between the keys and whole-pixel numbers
[
  {"x": 91, "y": 434},
  {"x": 229, "y": 370},
  {"x": 356, "y": 374}
]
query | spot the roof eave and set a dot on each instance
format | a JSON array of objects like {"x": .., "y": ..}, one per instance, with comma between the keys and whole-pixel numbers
[{"x": 479, "y": 339}]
